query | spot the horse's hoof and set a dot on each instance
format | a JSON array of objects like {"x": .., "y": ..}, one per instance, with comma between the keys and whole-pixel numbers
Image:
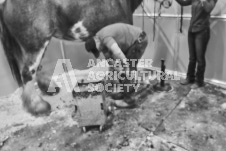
[
  {"x": 42, "y": 108},
  {"x": 36, "y": 106}
]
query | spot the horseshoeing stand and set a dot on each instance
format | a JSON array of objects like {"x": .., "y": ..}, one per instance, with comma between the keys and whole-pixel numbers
[{"x": 162, "y": 86}]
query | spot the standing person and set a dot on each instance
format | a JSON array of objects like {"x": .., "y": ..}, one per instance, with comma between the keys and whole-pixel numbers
[
  {"x": 120, "y": 42},
  {"x": 198, "y": 38}
]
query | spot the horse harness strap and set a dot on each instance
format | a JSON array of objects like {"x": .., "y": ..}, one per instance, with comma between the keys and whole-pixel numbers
[
  {"x": 165, "y": 4},
  {"x": 154, "y": 21},
  {"x": 143, "y": 16},
  {"x": 181, "y": 19}
]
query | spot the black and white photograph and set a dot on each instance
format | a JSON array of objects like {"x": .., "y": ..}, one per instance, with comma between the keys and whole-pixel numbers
[{"x": 113, "y": 75}]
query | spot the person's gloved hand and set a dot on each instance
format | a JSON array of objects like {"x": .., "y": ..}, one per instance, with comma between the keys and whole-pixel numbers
[
  {"x": 124, "y": 74},
  {"x": 96, "y": 53}
]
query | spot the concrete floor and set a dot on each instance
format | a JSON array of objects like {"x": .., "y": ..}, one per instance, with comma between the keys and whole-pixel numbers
[{"x": 197, "y": 124}]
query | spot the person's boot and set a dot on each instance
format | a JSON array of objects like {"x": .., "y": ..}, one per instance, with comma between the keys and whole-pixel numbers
[
  {"x": 128, "y": 102},
  {"x": 117, "y": 95},
  {"x": 125, "y": 99},
  {"x": 199, "y": 78},
  {"x": 187, "y": 81},
  {"x": 127, "y": 96},
  {"x": 198, "y": 84}
]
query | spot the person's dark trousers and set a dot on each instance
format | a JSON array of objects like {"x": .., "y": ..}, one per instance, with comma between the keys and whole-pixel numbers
[
  {"x": 136, "y": 51},
  {"x": 197, "y": 42}
]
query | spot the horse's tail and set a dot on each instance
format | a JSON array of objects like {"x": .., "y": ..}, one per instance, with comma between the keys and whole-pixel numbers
[{"x": 11, "y": 47}]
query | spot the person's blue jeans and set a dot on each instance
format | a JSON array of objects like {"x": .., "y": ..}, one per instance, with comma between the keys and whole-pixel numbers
[{"x": 197, "y": 42}]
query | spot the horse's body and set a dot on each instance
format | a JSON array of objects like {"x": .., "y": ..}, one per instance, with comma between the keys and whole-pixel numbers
[{"x": 28, "y": 25}]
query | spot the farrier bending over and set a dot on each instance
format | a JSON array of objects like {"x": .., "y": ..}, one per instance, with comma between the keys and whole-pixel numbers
[
  {"x": 198, "y": 38},
  {"x": 120, "y": 41}
]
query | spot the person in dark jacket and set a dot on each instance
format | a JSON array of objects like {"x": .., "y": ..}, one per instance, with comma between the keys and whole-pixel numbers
[
  {"x": 198, "y": 38},
  {"x": 122, "y": 42}
]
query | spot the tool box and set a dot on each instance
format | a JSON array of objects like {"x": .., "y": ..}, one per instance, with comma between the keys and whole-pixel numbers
[{"x": 93, "y": 111}]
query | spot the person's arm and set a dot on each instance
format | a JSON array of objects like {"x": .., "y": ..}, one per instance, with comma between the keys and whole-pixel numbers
[
  {"x": 114, "y": 49},
  {"x": 184, "y": 2},
  {"x": 208, "y": 5}
]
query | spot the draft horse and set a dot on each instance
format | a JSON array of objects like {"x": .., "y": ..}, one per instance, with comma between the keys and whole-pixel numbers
[{"x": 27, "y": 27}]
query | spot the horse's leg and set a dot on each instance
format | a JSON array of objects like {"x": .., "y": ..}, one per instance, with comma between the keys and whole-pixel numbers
[
  {"x": 31, "y": 100},
  {"x": 45, "y": 84}
]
